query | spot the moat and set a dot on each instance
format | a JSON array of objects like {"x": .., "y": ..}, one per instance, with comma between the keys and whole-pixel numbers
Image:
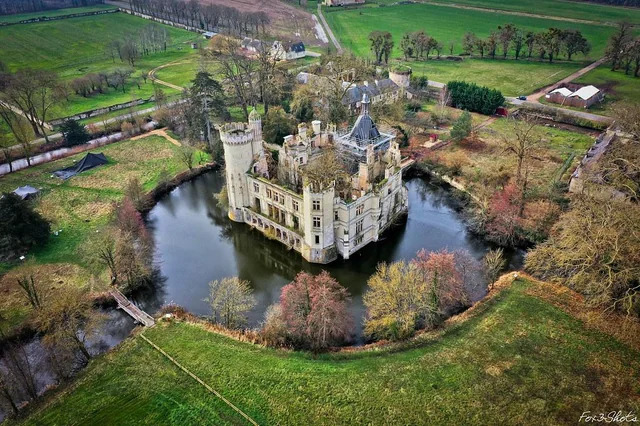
[{"x": 196, "y": 243}]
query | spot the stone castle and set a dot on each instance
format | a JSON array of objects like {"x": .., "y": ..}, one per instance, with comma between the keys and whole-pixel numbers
[{"x": 323, "y": 193}]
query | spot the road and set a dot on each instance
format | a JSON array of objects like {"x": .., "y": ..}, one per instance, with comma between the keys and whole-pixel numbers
[{"x": 328, "y": 30}]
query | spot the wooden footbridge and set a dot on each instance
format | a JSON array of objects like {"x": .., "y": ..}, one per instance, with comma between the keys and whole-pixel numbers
[{"x": 134, "y": 312}]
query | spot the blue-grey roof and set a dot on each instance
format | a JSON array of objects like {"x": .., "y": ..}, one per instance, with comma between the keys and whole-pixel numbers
[
  {"x": 297, "y": 47},
  {"x": 364, "y": 129}
]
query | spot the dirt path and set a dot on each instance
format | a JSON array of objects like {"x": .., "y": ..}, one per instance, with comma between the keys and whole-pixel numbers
[
  {"x": 536, "y": 96},
  {"x": 327, "y": 29},
  {"x": 527, "y": 14},
  {"x": 159, "y": 132},
  {"x": 152, "y": 75}
]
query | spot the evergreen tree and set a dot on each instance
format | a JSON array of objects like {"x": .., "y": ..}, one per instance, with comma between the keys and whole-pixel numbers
[
  {"x": 74, "y": 133},
  {"x": 21, "y": 227},
  {"x": 462, "y": 127}
]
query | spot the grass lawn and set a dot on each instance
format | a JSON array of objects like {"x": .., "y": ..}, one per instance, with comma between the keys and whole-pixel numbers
[
  {"x": 618, "y": 87},
  {"x": 56, "y": 12},
  {"x": 183, "y": 72},
  {"x": 565, "y": 9},
  {"x": 352, "y": 27},
  {"x": 83, "y": 204},
  {"x": 513, "y": 78},
  {"x": 515, "y": 359}
]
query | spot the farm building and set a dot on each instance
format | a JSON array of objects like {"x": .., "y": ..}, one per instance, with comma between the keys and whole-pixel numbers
[
  {"x": 582, "y": 97},
  {"x": 342, "y": 2}
]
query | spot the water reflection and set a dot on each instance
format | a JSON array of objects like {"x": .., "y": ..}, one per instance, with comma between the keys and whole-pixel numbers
[{"x": 196, "y": 243}]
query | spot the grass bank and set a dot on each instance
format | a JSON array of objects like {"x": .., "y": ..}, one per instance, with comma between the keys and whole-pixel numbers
[
  {"x": 513, "y": 359},
  {"x": 78, "y": 208}
]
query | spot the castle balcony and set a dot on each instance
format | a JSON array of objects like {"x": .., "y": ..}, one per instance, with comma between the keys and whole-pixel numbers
[{"x": 274, "y": 230}]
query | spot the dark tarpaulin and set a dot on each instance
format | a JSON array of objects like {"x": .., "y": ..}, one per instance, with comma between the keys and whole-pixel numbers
[{"x": 88, "y": 162}]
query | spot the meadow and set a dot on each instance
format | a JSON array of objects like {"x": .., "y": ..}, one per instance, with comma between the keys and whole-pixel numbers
[
  {"x": 524, "y": 77},
  {"x": 446, "y": 24},
  {"x": 513, "y": 359},
  {"x": 76, "y": 47},
  {"x": 564, "y": 9},
  {"x": 55, "y": 12},
  {"x": 81, "y": 206}
]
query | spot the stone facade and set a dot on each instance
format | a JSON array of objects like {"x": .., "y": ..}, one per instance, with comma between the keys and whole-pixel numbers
[{"x": 319, "y": 223}]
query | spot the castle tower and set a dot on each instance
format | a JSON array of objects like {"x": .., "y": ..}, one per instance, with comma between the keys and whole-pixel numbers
[
  {"x": 255, "y": 124},
  {"x": 238, "y": 140}
]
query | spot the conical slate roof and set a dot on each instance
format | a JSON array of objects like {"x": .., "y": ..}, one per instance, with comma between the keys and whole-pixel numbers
[{"x": 364, "y": 128}]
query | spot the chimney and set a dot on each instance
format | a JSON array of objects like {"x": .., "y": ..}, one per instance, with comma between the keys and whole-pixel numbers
[
  {"x": 288, "y": 139},
  {"x": 316, "y": 126}
]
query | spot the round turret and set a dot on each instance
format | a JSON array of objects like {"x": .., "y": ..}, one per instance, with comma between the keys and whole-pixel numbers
[{"x": 401, "y": 75}]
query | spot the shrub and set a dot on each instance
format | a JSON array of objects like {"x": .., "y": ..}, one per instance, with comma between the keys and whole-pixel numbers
[{"x": 461, "y": 127}]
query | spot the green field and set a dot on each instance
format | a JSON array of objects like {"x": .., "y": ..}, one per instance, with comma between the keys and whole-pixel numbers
[
  {"x": 55, "y": 12},
  {"x": 76, "y": 47},
  {"x": 517, "y": 359},
  {"x": 513, "y": 78},
  {"x": 617, "y": 86},
  {"x": 446, "y": 24},
  {"x": 565, "y": 9}
]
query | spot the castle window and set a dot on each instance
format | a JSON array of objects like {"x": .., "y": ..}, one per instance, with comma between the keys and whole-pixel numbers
[
  {"x": 359, "y": 209},
  {"x": 269, "y": 193},
  {"x": 335, "y": 215},
  {"x": 317, "y": 239},
  {"x": 256, "y": 187},
  {"x": 316, "y": 205},
  {"x": 359, "y": 226},
  {"x": 316, "y": 221},
  {"x": 295, "y": 205},
  {"x": 359, "y": 240}
]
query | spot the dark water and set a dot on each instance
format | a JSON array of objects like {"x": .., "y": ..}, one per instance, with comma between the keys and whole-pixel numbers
[{"x": 196, "y": 243}]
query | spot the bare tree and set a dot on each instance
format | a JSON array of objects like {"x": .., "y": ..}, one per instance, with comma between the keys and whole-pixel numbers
[
  {"x": 68, "y": 320},
  {"x": 31, "y": 291},
  {"x": 237, "y": 70},
  {"x": 522, "y": 140},
  {"x": 230, "y": 300}
]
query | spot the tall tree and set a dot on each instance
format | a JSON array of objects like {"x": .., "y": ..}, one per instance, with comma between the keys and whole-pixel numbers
[
  {"x": 575, "y": 42},
  {"x": 505, "y": 37},
  {"x": 231, "y": 299},
  {"x": 617, "y": 43}
]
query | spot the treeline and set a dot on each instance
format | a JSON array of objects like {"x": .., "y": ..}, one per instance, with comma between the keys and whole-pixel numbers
[
  {"x": 10, "y": 7},
  {"x": 507, "y": 39},
  {"x": 623, "y": 50},
  {"x": 548, "y": 44},
  {"x": 471, "y": 97},
  {"x": 210, "y": 17},
  {"x": 625, "y": 3}
]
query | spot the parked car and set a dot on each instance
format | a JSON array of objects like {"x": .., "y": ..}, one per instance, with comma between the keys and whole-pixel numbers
[{"x": 522, "y": 98}]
